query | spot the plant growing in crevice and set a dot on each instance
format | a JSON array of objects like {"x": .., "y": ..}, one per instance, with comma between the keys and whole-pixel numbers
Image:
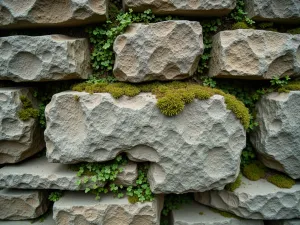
[
  {"x": 55, "y": 196},
  {"x": 27, "y": 111},
  {"x": 236, "y": 184}
]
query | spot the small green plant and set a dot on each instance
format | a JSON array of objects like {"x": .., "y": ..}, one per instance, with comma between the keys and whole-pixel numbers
[
  {"x": 254, "y": 171},
  {"x": 280, "y": 82},
  {"x": 55, "y": 196},
  {"x": 281, "y": 181},
  {"x": 175, "y": 201},
  {"x": 27, "y": 111},
  {"x": 240, "y": 25},
  {"x": 248, "y": 155},
  {"x": 239, "y": 14},
  {"x": 232, "y": 186},
  {"x": 172, "y": 96},
  {"x": 291, "y": 86},
  {"x": 209, "y": 82}
]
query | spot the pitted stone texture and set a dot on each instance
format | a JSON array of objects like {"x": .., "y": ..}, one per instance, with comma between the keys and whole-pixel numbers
[
  {"x": 197, "y": 214},
  {"x": 79, "y": 208},
  {"x": 45, "y": 13},
  {"x": 283, "y": 222},
  {"x": 182, "y": 7},
  {"x": 43, "y": 58},
  {"x": 40, "y": 174},
  {"x": 22, "y": 204},
  {"x": 277, "y": 138},
  {"x": 167, "y": 50},
  {"x": 18, "y": 139},
  {"x": 197, "y": 150},
  {"x": 256, "y": 200},
  {"x": 254, "y": 54},
  {"x": 47, "y": 221},
  {"x": 274, "y": 10}
]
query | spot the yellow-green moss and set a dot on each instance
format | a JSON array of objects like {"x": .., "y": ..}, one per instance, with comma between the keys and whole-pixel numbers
[
  {"x": 294, "y": 31},
  {"x": 291, "y": 86},
  {"x": 240, "y": 25},
  {"x": 27, "y": 111},
  {"x": 225, "y": 214},
  {"x": 281, "y": 181},
  {"x": 133, "y": 199},
  {"x": 232, "y": 186},
  {"x": 201, "y": 213},
  {"x": 172, "y": 96},
  {"x": 254, "y": 171}
]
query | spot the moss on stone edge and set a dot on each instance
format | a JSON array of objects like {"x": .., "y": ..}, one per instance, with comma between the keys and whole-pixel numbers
[
  {"x": 28, "y": 111},
  {"x": 232, "y": 186},
  {"x": 291, "y": 86},
  {"x": 254, "y": 171},
  {"x": 225, "y": 214},
  {"x": 240, "y": 25},
  {"x": 281, "y": 181},
  {"x": 171, "y": 96}
]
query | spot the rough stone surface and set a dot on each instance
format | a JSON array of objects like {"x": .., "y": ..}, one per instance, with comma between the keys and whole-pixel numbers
[
  {"x": 256, "y": 200},
  {"x": 273, "y": 10},
  {"x": 18, "y": 139},
  {"x": 254, "y": 54},
  {"x": 283, "y": 222},
  {"x": 43, "y": 58},
  {"x": 79, "y": 208},
  {"x": 197, "y": 150},
  {"x": 48, "y": 221},
  {"x": 183, "y": 7},
  {"x": 167, "y": 50},
  {"x": 45, "y": 13},
  {"x": 277, "y": 138},
  {"x": 22, "y": 204},
  {"x": 40, "y": 174},
  {"x": 196, "y": 214}
]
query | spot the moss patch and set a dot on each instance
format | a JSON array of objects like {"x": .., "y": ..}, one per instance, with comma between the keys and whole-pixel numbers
[
  {"x": 240, "y": 25},
  {"x": 294, "y": 31},
  {"x": 254, "y": 171},
  {"x": 291, "y": 86},
  {"x": 232, "y": 186},
  {"x": 28, "y": 111},
  {"x": 225, "y": 214},
  {"x": 281, "y": 181},
  {"x": 172, "y": 96}
]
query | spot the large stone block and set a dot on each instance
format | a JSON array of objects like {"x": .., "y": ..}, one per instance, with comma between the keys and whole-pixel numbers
[
  {"x": 44, "y": 58},
  {"x": 282, "y": 11},
  {"x": 197, "y": 150},
  {"x": 256, "y": 200},
  {"x": 182, "y": 7},
  {"x": 167, "y": 50},
  {"x": 18, "y": 139},
  {"x": 47, "y": 220},
  {"x": 45, "y": 13},
  {"x": 277, "y": 138},
  {"x": 254, "y": 54},
  {"x": 79, "y": 208},
  {"x": 197, "y": 214},
  {"x": 22, "y": 204},
  {"x": 40, "y": 174}
]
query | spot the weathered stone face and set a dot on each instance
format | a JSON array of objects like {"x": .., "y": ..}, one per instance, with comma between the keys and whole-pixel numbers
[
  {"x": 182, "y": 7},
  {"x": 45, "y": 13},
  {"x": 254, "y": 54},
  {"x": 159, "y": 51},
  {"x": 197, "y": 150},
  {"x": 22, "y": 204},
  {"x": 76, "y": 208},
  {"x": 43, "y": 58},
  {"x": 47, "y": 221},
  {"x": 273, "y": 10},
  {"x": 277, "y": 138},
  {"x": 197, "y": 214},
  {"x": 40, "y": 174},
  {"x": 18, "y": 139},
  {"x": 256, "y": 200}
]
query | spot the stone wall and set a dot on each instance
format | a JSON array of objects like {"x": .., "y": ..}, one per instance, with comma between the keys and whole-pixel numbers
[{"x": 168, "y": 138}]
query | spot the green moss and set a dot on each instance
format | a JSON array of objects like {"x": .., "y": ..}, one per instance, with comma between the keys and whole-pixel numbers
[
  {"x": 201, "y": 213},
  {"x": 76, "y": 98},
  {"x": 225, "y": 214},
  {"x": 291, "y": 86},
  {"x": 133, "y": 199},
  {"x": 294, "y": 31},
  {"x": 231, "y": 187},
  {"x": 27, "y": 112},
  {"x": 240, "y": 25},
  {"x": 172, "y": 96},
  {"x": 281, "y": 181},
  {"x": 254, "y": 171}
]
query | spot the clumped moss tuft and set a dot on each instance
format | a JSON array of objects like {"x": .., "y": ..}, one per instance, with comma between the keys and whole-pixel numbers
[
  {"x": 172, "y": 96},
  {"x": 240, "y": 25},
  {"x": 232, "y": 186},
  {"x": 291, "y": 86},
  {"x": 281, "y": 181},
  {"x": 254, "y": 171},
  {"x": 28, "y": 111}
]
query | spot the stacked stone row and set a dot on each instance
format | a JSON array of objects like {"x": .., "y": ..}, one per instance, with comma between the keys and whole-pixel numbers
[{"x": 197, "y": 151}]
